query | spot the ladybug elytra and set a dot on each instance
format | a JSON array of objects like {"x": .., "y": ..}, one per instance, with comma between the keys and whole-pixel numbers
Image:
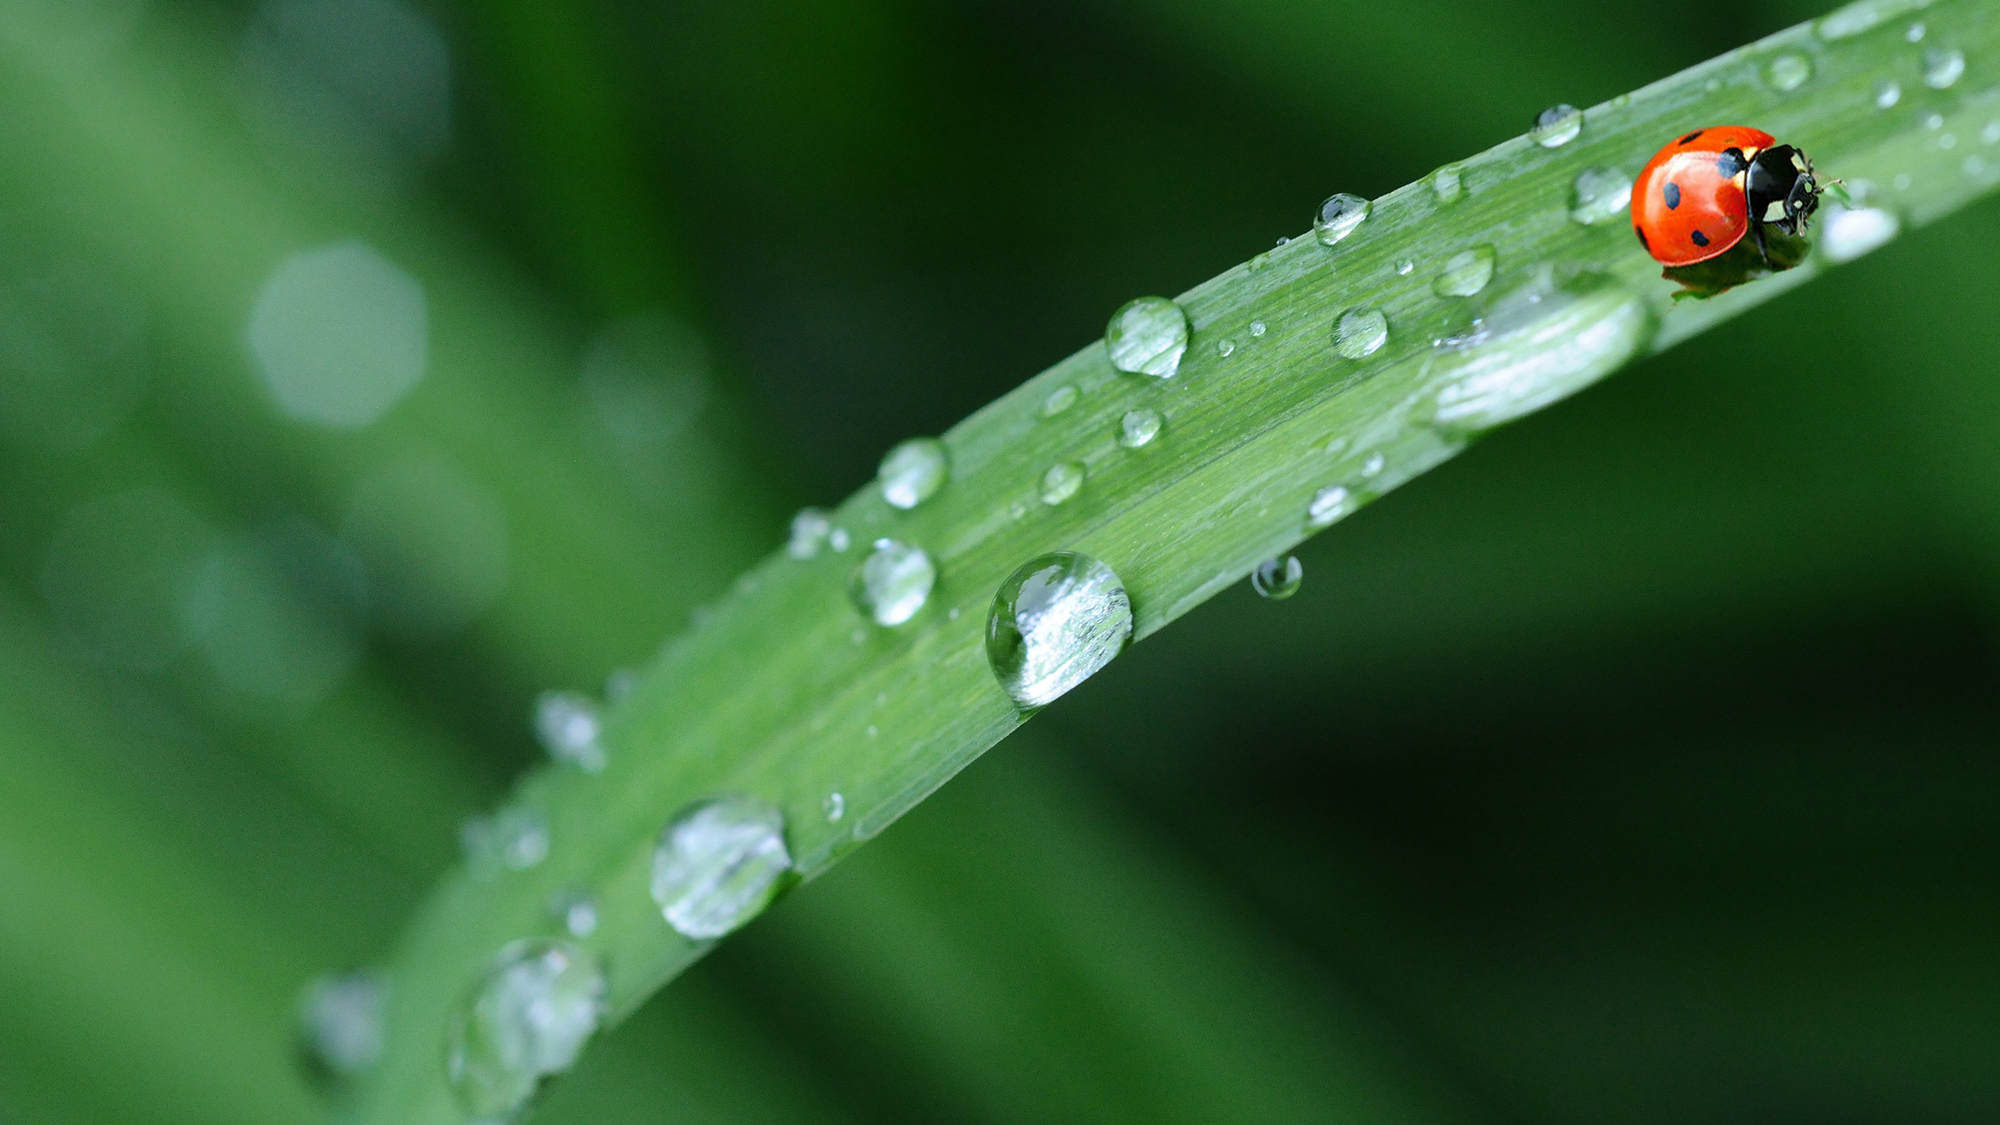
[{"x": 1703, "y": 192}]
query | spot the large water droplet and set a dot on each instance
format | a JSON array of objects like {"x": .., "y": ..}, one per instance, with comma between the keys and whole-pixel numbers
[
  {"x": 340, "y": 1021},
  {"x": 1537, "y": 344},
  {"x": 1329, "y": 504},
  {"x": 719, "y": 864},
  {"x": 1448, "y": 184},
  {"x": 513, "y": 839},
  {"x": 1360, "y": 333},
  {"x": 570, "y": 727},
  {"x": 1061, "y": 482},
  {"x": 811, "y": 529},
  {"x": 1861, "y": 15},
  {"x": 912, "y": 472},
  {"x": 1279, "y": 578},
  {"x": 529, "y": 1019},
  {"x": 1600, "y": 195},
  {"x": 893, "y": 582},
  {"x": 1850, "y": 234},
  {"x": 1465, "y": 273},
  {"x": 1139, "y": 427},
  {"x": 1556, "y": 126},
  {"x": 1788, "y": 72},
  {"x": 1338, "y": 216},
  {"x": 1054, "y": 623},
  {"x": 1059, "y": 400},
  {"x": 1943, "y": 68},
  {"x": 1147, "y": 337},
  {"x": 1887, "y": 94}
]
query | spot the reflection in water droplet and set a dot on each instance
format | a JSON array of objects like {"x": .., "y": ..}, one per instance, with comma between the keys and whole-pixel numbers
[
  {"x": 1329, "y": 504},
  {"x": 577, "y": 912},
  {"x": 529, "y": 1020},
  {"x": 1360, "y": 333},
  {"x": 513, "y": 839},
  {"x": 1788, "y": 72},
  {"x": 569, "y": 727},
  {"x": 1147, "y": 337},
  {"x": 1943, "y": 68},
  {"x": 1887, "y": 94},
  {"x": 1850, "y": 234},
  {"x": 1061, "y": 482},
  {"x": 719, "y": 864},
  {"x": 1055, "y": 621},
  {"x": 1059, "y": 400},
  {"x": 913, "y": 471},
  {"x": 1556, "y": 126},
  {"x": 1279, "y": 578},
  {"x": 893, "y": 582},
  {"x": 1599, "y": 195},
  {"x": 340, "y": 1021},
  {"x": 1537, "y": 344},
  {"x": 1338, "y": 216},
  {"x": 1465, "y": 273},
  {"x": 835, "y": 807},
  {"x": 1139, "y": 427},
  {"x": 810, "y": 530},
  {"x": 1448, "y": 184}
]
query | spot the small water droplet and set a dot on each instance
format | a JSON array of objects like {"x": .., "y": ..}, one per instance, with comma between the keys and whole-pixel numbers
[
  {"x": 1338, "y": 216},
  {"x": 1850, "y": 234},
  {"x": 1991, "y": 134},
  {"x": 1147, "y": 337},
  {"x": 1374, "y": 465},
  {"x": 1360, "y": 333},
  {"x": 719, "y": 864},
  {"x": 576, "y": 911},
  {"x": 1448, "y": 184},
  {"x": 835, "y": 807},
  {"x": 1059, "y": 400},
  {"x": 1284, "y": 240},
  {"x": 1933, "y": 120},
  {"x": 893, "y": 582},
  {"x": 912, "y": 472},
  {"x": 1887, "y": 93},
  {"x": 1599, "y": 195},
  {"x": 570, "y": 729},
  {"x": 1915, "y": 34},
  {"x": 1405, "y": 267},
  {"x": 1465, "y": 273},
  {"x": 811, "y": 529},
  {"x": 1278, "y": 579},
  {"x": 1257, "y": 327},
  {"x": 340, "y": 1021},
  {"x": 513, "y": 839},
  {"x": 1556, "y": 126},
  {"x": 839, "y": 540},
  {"x": 1056, "y": 621},
  {"x": 1538, "y": 344},
  {"x": 1225, "y": 348},
  {"x": 1138, "y": 427},
  {"x": 1943, "y": 68},
  {"x": 1329, "y": 504},
  {"x": 1061, "y": 482},
  {"x": 529, "y": 1019},
  {"x": 1788, "y": 72}
]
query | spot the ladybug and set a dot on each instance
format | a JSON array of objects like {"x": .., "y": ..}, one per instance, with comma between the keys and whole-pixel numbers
[{"x": 1703, "y": 192}]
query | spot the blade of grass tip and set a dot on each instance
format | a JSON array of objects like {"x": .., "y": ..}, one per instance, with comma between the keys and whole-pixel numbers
[{"x": 1345, "y": 379}]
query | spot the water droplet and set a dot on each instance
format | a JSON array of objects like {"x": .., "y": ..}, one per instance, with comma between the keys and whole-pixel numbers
[
  {"x": 912, "y": 472},
  {"x": 1850, "y": 234},
  {"x": 1537, "y": 344},
  {"x": 1278, "y": 579},
  {"x": 1056, "y": 621},
  {"x": 1858, "y": 17},
  {"x": 1991, "y": 134},
  {"x": 340, "y": 1021},
  {"x": 1257, "y": 327},
  {"x": 1360, "y": 333},
  {"x": 1059, "y": 400},
  {"x": 1887, "y": 93},
  {"x": 718, "y": 864},
  {"x": 1933, "y": 120},
  {"x": 1374, "y": 465},
  {"x": 1329, "y": 504},
  {"x": 569, "y": 727},
  {"x": 513, "y": 839},
  {"x": 529, "y": 1019},
  {"x": 810, "y": 530},
  {"x": 1556, "y": 126},
  {"x": 1284, "y": 240},
  {"x": 1915, "y": 34},
  {"x": 838, "y": 539},
  {"x": 1943, "y": 68},
  {"x": 1139, "y": 427},
  {"x": 835, "y": 807},
  {"x": 1061, "y": 482},
  {"x": 1599, "y": 195},
  {"x": 1448, "y": 184},
  {"x": 1405, "y": 267},
  {"x": 893, "y": 582},
  {"x": 1147, "y": 337},
  {"x": 1465, "y": 273},
  {"x": 1225, "y": 348},
  {"x": 1338, "y": 216},
  {"x": 1788, "y": 72},
  {"x": 577, "y": 912}
]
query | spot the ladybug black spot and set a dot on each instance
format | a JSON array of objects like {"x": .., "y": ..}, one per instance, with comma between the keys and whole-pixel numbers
[
  {"x": 1690, "y": 136},
  {"x": 1672, "y": 192},
  {"x": 1731, "y": 163},
  {"x": 1700, "y": 239}
]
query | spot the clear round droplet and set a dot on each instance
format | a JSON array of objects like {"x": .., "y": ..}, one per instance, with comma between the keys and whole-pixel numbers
[
  {"x": 577, "y": 912},
  {"x": 719, "y": 864},
  {"x": 1788, "y": 72},
  {"x": 1943, "y": 68},
  {"x": 1061, "y": 482},
  {"x": 528, "y": 1020},
  {"x": 1887, "y": 94},
  {"x": 1055, "y": 621},
  {"x": 1852, "y": 233},
  {"x": 1225, "y": 348},
  {"x": 1465, "y": 273},
  {"x": 513, "y": 839},
  {"x": 570, "y": 729},
  {"x": 1139, "y": 427},
  {"x": 1360, "y": 333},
  {"x": 1147, "y": 337},
  {"x": 1448, "y": 184},
  {"x": 811, "y": 529},
  {"x": 1329, "y": 504},
  {"x": 1933, "y": 120},
  {"x": 1338, "y": 216},
  {"x": 913, "y": 471},
  {"x": 1374, "y": 465},
  {"x": 1279, "y": 578},
  {"x": 1405, "y": 267},
  {"x": 835, "y": 807},
  {"x": 893, "y": 582},
  {"x": 340, "y": 1021},
  {"x": 1059, "y": 400},
  {"x": 1258, "y": 328},
  {"x": 1556, "y": 126},
  {"x": 1599, "y": 196}
]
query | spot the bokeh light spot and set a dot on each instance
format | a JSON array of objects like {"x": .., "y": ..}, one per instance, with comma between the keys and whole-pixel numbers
[{"x": 340, "y": 335}]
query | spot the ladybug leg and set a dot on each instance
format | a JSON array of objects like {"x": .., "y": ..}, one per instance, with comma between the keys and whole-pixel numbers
[{"x": 1763, "y": 251}]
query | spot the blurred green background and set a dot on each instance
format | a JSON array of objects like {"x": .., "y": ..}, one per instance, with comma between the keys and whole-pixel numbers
[{"x": 368, "y": 366}]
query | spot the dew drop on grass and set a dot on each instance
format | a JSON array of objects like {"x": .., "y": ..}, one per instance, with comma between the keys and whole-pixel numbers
[
  {"x": 1061, "y": 482},
  {"x": 811, "y": 529},
  {"x": 1329, "y": 504},
  {"x": 1139, "y": 427},
  {"x": 893, "y": 582},
  {"x": 527, "y": 1021},
  {"x": 577, "y": 912},
  {"x": 1147, "y": 337},
  {"x": 913, "y": 471},
  {"x": 570, "y": 729},
  {"x": 1257, "y": 328},
  {"x": 1448, "y": 184},
  {"x": 1374, "y": 465},
  {"x": 1225, "y": 348},
  {"x": 1279, "y": 578},
  {"x": 835, "y": 807},
  {"x": 1059, "y": 400},
  {"x": 1055, "y": 621},
  {"x": 1405, "y": 267},
  {"x": 513, "y": 839},
  {"x": 1465, "y": 273},
  {"x": 1540, "y": 343},
  {"x": 1887, "y": 93},
  {"x": 340, "y": 1021},
  {"x": 719, "y": 864},
  {"x": 1915, "y": 32},
  {"x": 1599, "y": 196},
  {"x": 1338, "y": 216},
  {"x": 1556, "y": 126},
  {"x": 1852, "y": 233},
  {"x": 1360, "y": 333},
  {"x": 1788, "y": 72},
  {"x": 1943, "y": 68}
]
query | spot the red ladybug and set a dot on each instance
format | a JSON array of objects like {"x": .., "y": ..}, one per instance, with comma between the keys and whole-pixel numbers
[{"x": 1702, "y": 193}]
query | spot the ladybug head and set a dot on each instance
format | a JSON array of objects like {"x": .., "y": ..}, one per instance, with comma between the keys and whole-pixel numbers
[{"x": 1781, "y": 189}]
